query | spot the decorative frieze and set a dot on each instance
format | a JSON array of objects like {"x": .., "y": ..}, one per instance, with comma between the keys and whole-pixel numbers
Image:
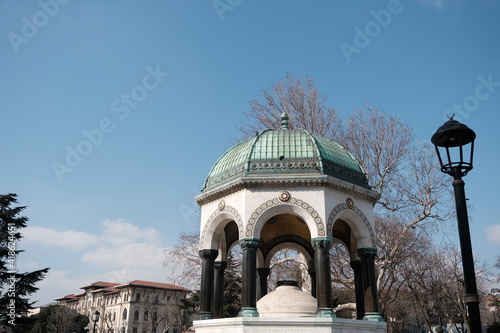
[
  {"x": 223, "y": 208},
  {"x": 249, "y": 232},
  {"x": 344, "y": 206}
]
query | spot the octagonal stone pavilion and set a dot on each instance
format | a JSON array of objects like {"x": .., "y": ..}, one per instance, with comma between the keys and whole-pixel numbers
[{"x": 286, "y": 188}]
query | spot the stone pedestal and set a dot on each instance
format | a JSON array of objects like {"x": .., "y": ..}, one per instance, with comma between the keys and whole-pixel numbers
[{"x": 288, "y": 325}]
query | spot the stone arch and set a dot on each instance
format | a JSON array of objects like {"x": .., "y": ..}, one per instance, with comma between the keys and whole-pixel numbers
[
  {"x": 209, "y": 237},
  {"x": 288, "y": 245},
  {"x": 294, "y": 206},
  {"x": 363, "y": 232}
]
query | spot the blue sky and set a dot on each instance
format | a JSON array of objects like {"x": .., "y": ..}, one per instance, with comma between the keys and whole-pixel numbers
[{"x": 113, "y": 112}]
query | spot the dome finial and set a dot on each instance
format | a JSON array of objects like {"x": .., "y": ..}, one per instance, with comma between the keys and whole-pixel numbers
[{"x": 284, "y": 121}]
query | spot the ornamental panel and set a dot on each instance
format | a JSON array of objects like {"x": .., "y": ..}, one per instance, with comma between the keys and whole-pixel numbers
[
  {"x": 223, "y": 209},
  {"x": 341, "y": 207},
  {"x": 292, "y": 201}
]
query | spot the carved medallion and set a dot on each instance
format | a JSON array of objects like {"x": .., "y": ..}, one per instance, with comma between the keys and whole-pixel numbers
[
  {"x": 284, "y": 196},
  {"x": 350, "y": 203}
]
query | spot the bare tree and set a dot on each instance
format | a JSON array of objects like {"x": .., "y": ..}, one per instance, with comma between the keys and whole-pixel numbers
[
  {"x": 183, "y": 261},
  {"x": 59, "y": 319},
  {"x": 413, "y": 191},
  {"x": 379, "y": 141},
  {"x": 497, "y": 266},
  {"x": 300, "y": 99},
  {"x": 288, "y": 264},
  {"x": 165, "y": 315}
]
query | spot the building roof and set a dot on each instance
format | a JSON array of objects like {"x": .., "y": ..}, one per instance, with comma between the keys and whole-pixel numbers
[
  {"x": 70, "y": 297},
  {"x": 111, "y": 287},
  {"x": 139, "y": 283},
  {"x": 286, "y": 152},
  {"x": 106, "y": 290},
  {"x": 99, "y": 285}
]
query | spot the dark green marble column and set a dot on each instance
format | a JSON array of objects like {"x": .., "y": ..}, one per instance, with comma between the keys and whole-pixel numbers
[
  {"x": 218, "y": 296},
  {"x": 207, "y": 282},
  {"x": 370, "y": 293},
  {"x": 358, "y": 286},
  {"x": 312, "y": 274},
  {"x": 263, "y": 274},
  {"x": 249, "y": 247},
  {"x": 321, "y": 247}
]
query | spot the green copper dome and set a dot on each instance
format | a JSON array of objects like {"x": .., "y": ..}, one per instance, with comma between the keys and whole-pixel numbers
[{"x": 285, "y": 152}]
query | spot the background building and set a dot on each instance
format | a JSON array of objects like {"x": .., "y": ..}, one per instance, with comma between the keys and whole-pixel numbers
[{"x": 132, "y": 307}]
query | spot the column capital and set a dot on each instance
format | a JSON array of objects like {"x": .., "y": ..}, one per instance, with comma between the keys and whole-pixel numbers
[
  {"x": 250, "y": 243},
  {"x": 220, "y": 265},
  {"x": 367, "y": 252},
  {"x": 208, "y": 254},
  {"x": 321, "y": 243}
]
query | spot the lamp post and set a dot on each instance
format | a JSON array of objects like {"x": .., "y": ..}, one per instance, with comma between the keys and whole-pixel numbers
[
  {"x": 454, "y": 144},
  {"x": 95, "y": 319}
]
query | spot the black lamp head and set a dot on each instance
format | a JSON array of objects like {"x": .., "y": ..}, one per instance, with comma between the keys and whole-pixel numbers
[{"x": 454, "y": 135}]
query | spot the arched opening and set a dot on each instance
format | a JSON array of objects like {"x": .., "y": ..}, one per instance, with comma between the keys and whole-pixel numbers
[
  {"x": 343, "y": 280},
  {"x": 232, "y": 282},
  {"x": 289, "y": 264},
  {"x": 286, "y": 252}
]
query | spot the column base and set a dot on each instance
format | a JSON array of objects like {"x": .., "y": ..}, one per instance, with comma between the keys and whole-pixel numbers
[
  {"x": 373, "y": 316},
  {"x": 205, "y": 315},
  {"x": 325, "y": 313},
  {"x": 248, "y": 312}
]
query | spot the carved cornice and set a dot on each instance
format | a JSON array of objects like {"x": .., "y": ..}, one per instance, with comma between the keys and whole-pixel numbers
[{"x": 247, "y": 182}]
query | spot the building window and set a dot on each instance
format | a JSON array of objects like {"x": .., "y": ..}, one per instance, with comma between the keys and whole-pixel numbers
[
  {"x": 146, "y": 315},
  {"x": 136, "y": 315},
  {"x": 138, "y": 297},
  {"x": 156, "y": 299},
  {"x": 114, "y": 316},
  {"x": 124, "y": 314},
  {"x": 168, "y": 298}
]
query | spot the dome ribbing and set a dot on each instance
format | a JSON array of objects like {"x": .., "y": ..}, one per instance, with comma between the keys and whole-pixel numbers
[{"x": 286, "y": 152}]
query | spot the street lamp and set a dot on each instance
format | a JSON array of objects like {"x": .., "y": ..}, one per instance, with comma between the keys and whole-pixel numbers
[
  {"x": 95, "y": 319},
  {"x": 454, "y": 144}
]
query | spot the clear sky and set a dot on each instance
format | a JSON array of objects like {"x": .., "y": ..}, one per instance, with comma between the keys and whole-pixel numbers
[{"x": 113, "y": 112}]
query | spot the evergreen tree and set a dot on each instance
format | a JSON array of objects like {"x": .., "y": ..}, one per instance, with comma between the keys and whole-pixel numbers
[
  {"x": 15, "y": 287},
  {"x": 54, "y": 318},
  {"x": 190, "y": 305},
  {"x": 232, "y": 288}
]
